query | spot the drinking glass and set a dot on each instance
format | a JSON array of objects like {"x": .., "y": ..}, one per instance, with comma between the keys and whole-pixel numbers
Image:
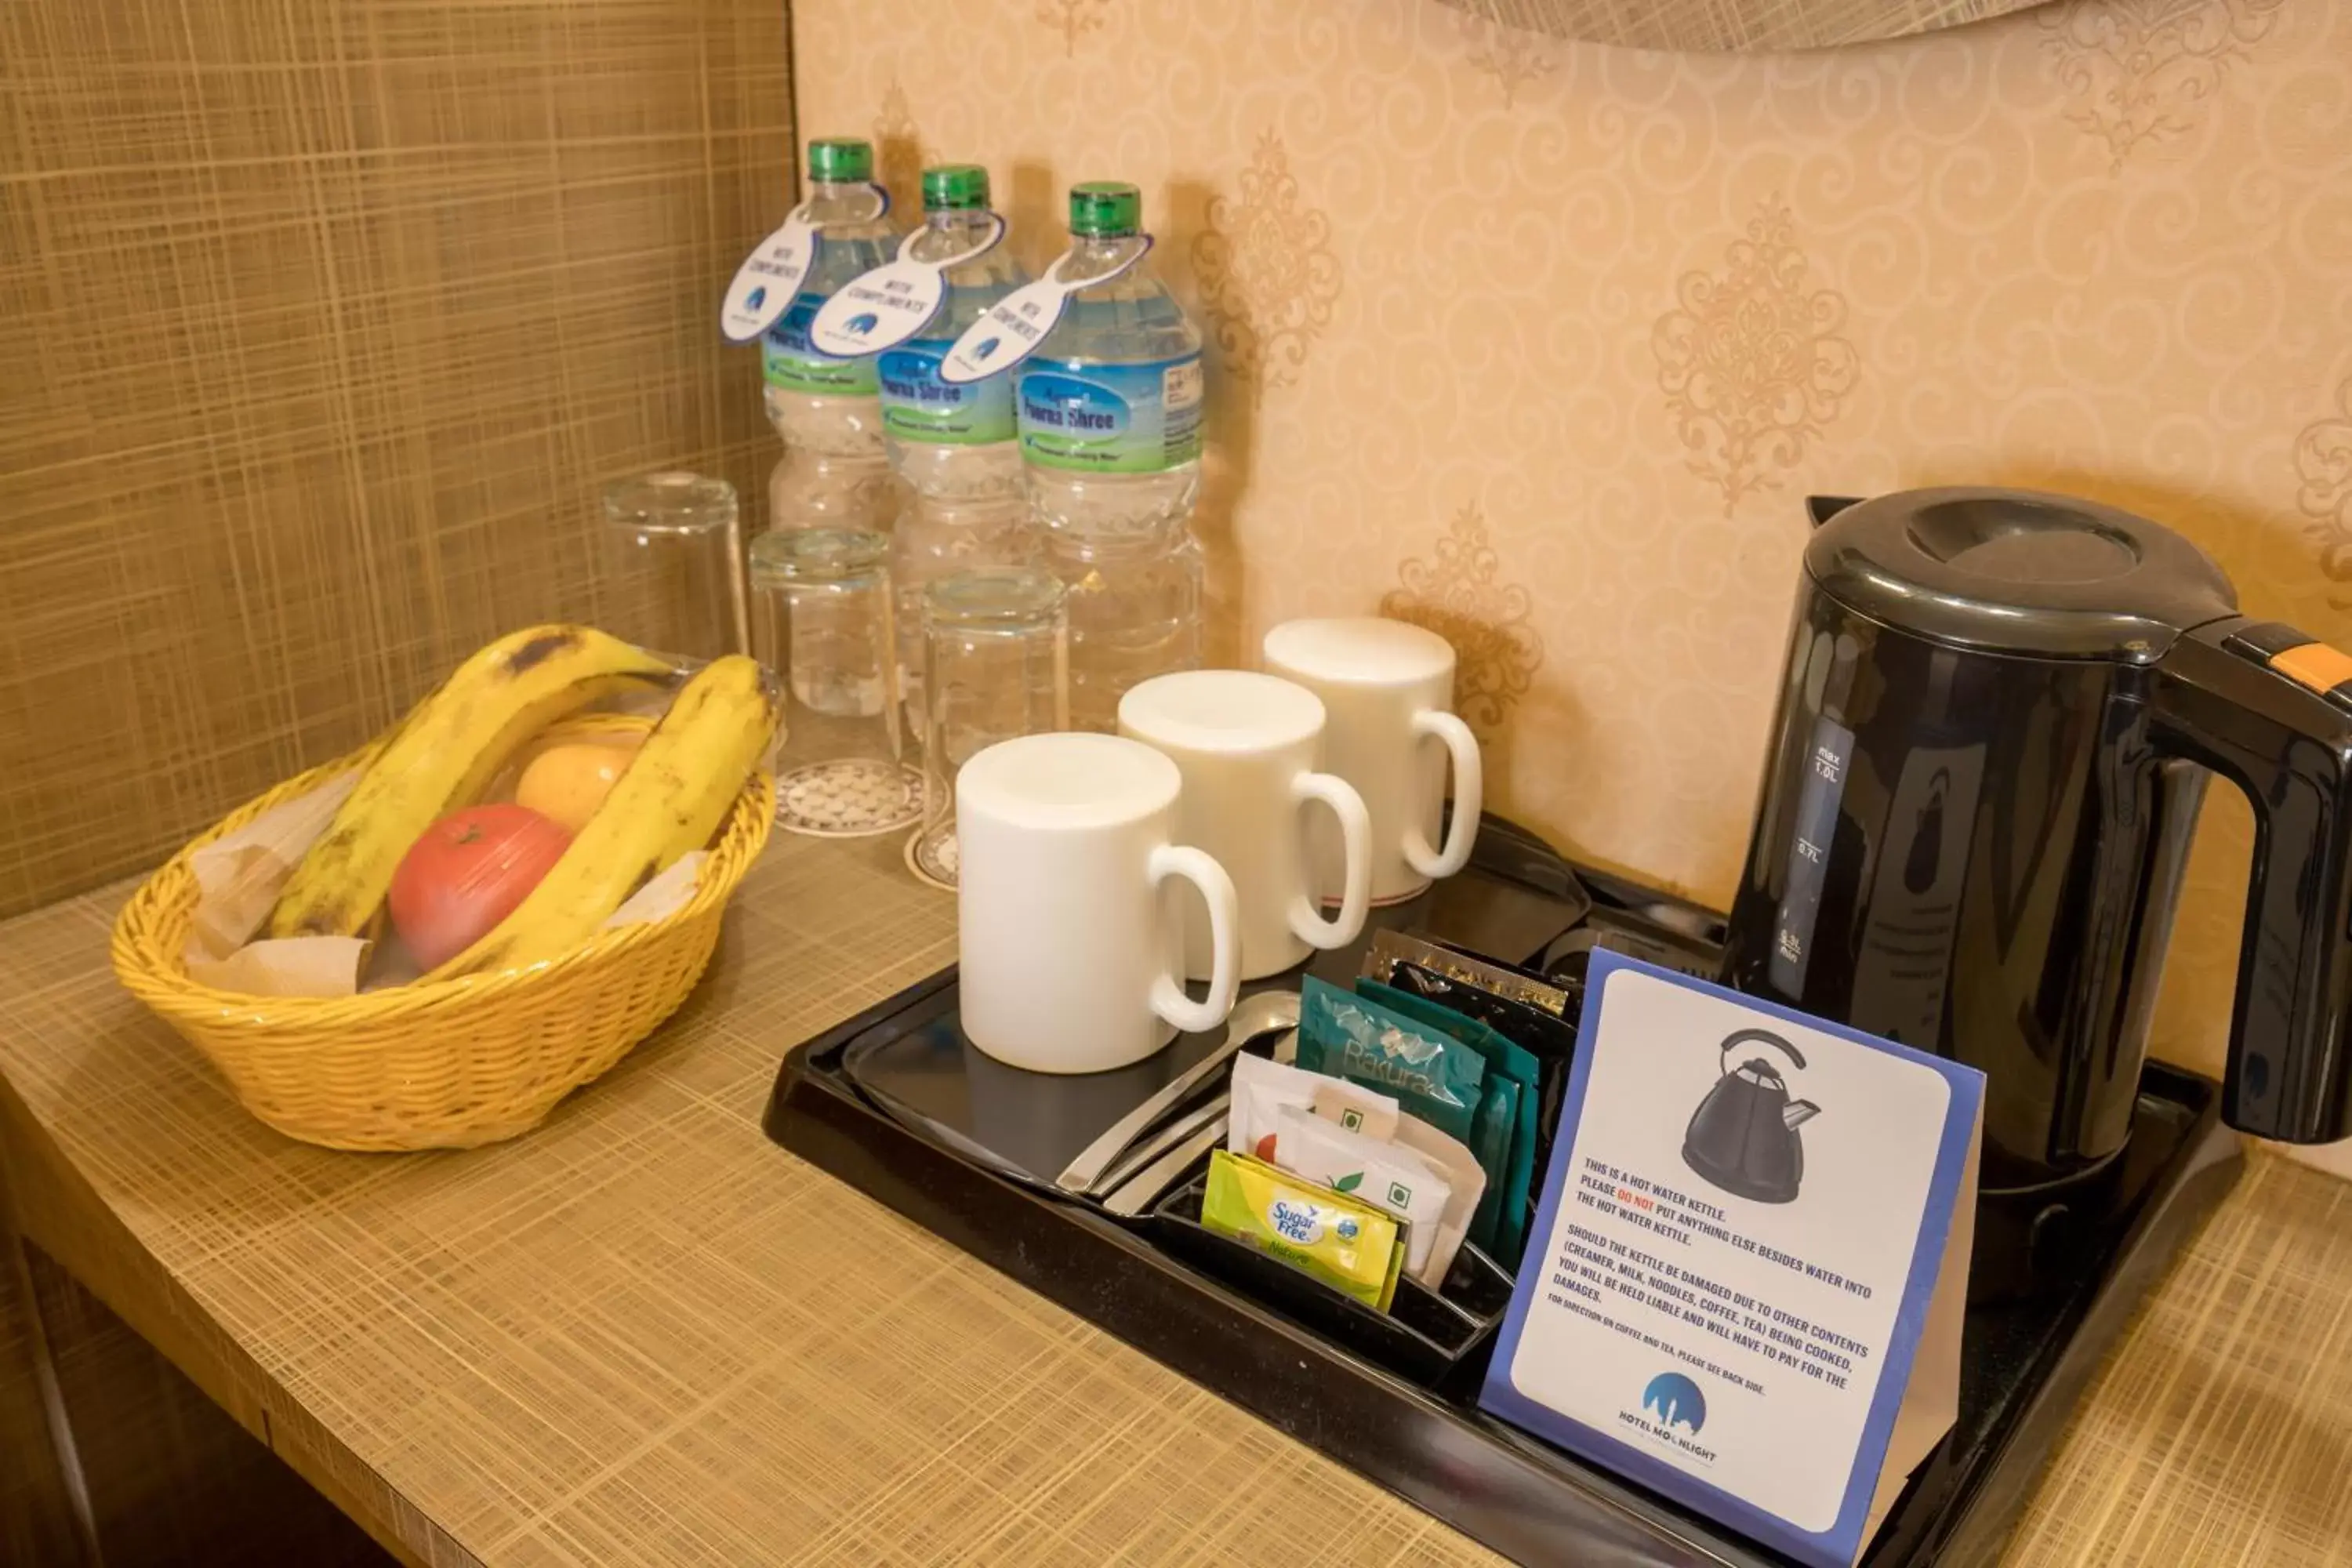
[
  {"x": 672, "y": 555},
  {"x": 822, "y": 608},
  {"x": 996, "y": 664},
  {"x": 938, "y": 538}
]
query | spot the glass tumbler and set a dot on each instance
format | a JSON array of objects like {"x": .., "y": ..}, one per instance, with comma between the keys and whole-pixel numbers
[
  {"x": 996, "y": 664},
  {"x": 938, "y": 538},
  {"x": 823, "y": 616},
  {"x": 671, "y": 577}
]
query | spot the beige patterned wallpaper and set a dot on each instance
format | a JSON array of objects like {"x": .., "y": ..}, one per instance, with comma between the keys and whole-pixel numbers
[{"x": 1544, "y": 343}]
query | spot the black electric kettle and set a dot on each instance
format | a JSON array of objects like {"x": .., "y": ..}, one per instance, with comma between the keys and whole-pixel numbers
[
  {"x": 1743, "y": 1136},
  {"x": 2000, "y": 713}
]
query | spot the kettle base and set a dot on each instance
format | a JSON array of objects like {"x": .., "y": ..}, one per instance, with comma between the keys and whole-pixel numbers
[
  {"x": 1739, "y": 1184},
  {"x": 2027, "y": 1238}
]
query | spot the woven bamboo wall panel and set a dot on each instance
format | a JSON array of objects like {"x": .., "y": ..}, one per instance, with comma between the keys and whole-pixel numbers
[{"x": 328, "y": 321}]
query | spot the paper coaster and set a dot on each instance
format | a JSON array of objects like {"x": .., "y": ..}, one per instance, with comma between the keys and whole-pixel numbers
[
  {"x": 931, "y": 856},
  {"x": 848, "y": 799}
]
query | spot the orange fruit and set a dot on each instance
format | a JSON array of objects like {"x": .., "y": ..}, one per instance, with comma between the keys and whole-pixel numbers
[{"x": 567, "y": 781}]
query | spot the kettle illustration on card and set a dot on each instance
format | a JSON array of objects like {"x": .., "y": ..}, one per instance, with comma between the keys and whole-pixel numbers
[{"x": 1743, "y": 1137}]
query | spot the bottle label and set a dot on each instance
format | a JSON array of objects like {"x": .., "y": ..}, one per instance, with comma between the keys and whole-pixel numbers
[
  {"x": 916, "y": 406},
  {"x": 1111, "y": 419},
  {"x": 793, "y": 364},
  {"x": 773, "y": 274},
  {"x": 883, "y": 308},
  {"x": 1010, "y": 330}
]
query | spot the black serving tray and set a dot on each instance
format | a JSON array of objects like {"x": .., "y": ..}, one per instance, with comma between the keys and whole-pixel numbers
[
  {"x": 1405, "y": 1414},
  {"x": 1516, "y": 900}
]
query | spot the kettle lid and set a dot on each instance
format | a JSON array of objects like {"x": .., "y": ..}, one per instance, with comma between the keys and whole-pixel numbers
[{"x": 2018, "y": 571}]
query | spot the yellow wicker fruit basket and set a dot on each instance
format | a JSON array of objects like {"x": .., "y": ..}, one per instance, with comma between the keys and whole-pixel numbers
[{"x": 448, "y": 1064}]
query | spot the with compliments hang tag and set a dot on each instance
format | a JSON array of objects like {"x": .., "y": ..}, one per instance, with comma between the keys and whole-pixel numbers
[
  {"x": 1010, "y": 330},
  {"x": 882, "y": 309},
  {"x": 762, "y": 287}
]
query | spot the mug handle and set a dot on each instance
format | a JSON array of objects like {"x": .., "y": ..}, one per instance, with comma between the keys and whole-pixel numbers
[
  {"x": 1469, "y": 784},
  {"x": 1167, "y": 998},
  {"x": 1307, "y": 921}
]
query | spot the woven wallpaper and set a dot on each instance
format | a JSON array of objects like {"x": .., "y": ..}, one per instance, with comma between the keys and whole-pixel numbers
[
  {"x": 326, "y": 322},
  {"x": 1544, "y": 343}
]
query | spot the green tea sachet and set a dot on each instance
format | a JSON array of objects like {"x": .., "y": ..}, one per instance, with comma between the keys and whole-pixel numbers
[
  {"x": 1433, "y": 1075},
  {"x": 1350, "y": 1246},
  {"x": 1503, "y": 1132}
]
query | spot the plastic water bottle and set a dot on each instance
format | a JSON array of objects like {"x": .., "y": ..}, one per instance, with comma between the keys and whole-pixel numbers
[
  {"x": 1110, "y": 443},
  {"x": 818, "y": 403},
  {"x": 829, "y": 411},
  {"x": 953, "y": 442}
]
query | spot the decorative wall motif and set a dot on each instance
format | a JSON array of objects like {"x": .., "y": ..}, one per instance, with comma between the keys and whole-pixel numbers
[
  {"x": 1513, "y": 58},
  {"x": 1751, "y": 360},
  {"x": 1268, "y": 276},
  {"x": 1462, "y": 593},
  {"x": 1074, "y": 19},
  {"x": 2323, "y": 463},
  {"x": 2141, "y": 72},
  {"x": 898, "y": 150}
]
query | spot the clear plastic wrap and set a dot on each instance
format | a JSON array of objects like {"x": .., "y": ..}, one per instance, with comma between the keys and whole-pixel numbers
[{"x": 560, "y": 784}]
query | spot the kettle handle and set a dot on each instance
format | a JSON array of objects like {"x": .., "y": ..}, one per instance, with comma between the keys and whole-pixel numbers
[
  {"x": 1819, "y": 510},
  {"x": 1759, "y": 1037},
  {"x": 2270, "y": 709}
]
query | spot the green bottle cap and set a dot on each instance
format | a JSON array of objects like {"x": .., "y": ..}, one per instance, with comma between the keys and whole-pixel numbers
[
  {"x": 1105, "y": 209},
  {"x": 954, "y": 188},
  {"x": 841, "y": 159}
]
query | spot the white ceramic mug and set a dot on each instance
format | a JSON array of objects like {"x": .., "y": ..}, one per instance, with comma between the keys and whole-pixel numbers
[
  {"x": 1069, "y": 954},
  {"x": 1249, "y": 746},
  {"x": 1387, "y": 690}
]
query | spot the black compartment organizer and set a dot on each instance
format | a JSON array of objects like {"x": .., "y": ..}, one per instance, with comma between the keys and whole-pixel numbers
[
  {"x": 1425, "y": 1336},
  {"x": 895, "y": 1104}
]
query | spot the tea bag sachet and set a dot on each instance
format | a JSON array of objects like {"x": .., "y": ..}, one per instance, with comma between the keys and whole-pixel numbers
[
  {"x": 1549, "y": 1039},
  {"x": 1503, "y": 1132},
  {"x": 1371, "y": 1169},
  {"x": 1529, "y": 1013},
  {"x": 1451, "y": 1158},
  {"x": 1262, "y": 1089},
  {"x": 1432, "y": 1075}
]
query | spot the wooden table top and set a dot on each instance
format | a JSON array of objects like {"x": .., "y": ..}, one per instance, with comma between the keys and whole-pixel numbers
[{"x": 644, "y": 1333}]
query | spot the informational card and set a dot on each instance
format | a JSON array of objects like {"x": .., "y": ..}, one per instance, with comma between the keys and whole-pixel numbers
[{"x": 1744, "y": 1286}]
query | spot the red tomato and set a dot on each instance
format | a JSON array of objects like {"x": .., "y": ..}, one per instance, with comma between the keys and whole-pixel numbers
[{"x": 465, "y": 873}]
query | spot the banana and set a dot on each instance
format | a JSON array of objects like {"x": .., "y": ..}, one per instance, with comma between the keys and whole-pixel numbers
[
  {"x": 444, "y": 754},
  {"x": 675, "y": 792}
]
